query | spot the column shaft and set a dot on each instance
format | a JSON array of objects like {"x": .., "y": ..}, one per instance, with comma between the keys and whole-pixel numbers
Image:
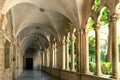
[
  {"x": 53, "y": 55},
  {"x": 86, "y": 51},
  {"x": 63, "y": 54},
  {"x": 97, "y": 43},
  {"x": 67, "y": 52},
  {"x": 78, "y": 51},
  {"x": 72, "y": 56},
  {"x": 109, "y": 51},
  {"x": 115, "y": 55}
]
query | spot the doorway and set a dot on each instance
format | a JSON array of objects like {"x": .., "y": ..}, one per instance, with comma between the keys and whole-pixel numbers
[{"x": 29, "y": 63}]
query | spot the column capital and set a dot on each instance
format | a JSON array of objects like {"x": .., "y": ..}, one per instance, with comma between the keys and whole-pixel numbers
[
  {"x": 86, "y": 31},
  {"x": 67, "y": 39},
  {"x": 73, "y": 37},
  {"x": 97, "y": 27},
  {"x": 113, "y": 18},
  {"x": 53, "y": 46},
  {"x": 81, "y": 31},
  {"x": 63, "y": 42},
  {"x": 60, "y": 43}
]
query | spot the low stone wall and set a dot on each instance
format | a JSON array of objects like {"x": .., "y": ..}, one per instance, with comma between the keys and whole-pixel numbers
[
  {"x": 94, "y": 77},
  {"x": 61, "y": 74},
  {"x": 69, "y": 75}
]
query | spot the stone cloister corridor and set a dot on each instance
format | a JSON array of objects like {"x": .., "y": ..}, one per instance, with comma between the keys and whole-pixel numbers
[{"x": 59, "y": 39}]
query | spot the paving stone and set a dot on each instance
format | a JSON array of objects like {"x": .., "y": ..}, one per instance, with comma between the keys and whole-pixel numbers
[{"x": 35, "y": 75}]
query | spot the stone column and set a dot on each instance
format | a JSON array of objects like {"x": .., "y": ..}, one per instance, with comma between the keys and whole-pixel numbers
[
  {"x": 43, "y": 57},
  {"x": 63, "y": 54},
  {"x": 115, "y": 55},
  {"x": 73, "y": 53},
  {"x": 109, "y": 50},
  {"x": 14, "y": 61},
  {"x": 78, "y": 50},
  {"x": 48, "y": 57},
  {"x": 81, "y": 51},
  {"x": 97, "y": 43},
  {"x": 67, "y": 52},
  {"x": 53, "y": 55},
  {"x": 86, "y": 49}
]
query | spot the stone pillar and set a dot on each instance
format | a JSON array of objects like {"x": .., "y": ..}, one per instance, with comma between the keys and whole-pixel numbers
[
  {"x": 14, "y": 61},
  {"x": 78, "y": 50},
  {"x": 109, "y": 50},
  {"x": 115, "y": 55},
  {"x": 47, "y": 57},
  {"x": 81, "y": 51},
  {"x": 43, "y": 57},
  {"x": 97, "y": 43},
  {"x": 67, "y": 52},
  {"x": 73, "y": 53},
  {"x": 53, "y": 55},
  {"x": 63, "y": 54},
  {"x": 86, "y": 50}
]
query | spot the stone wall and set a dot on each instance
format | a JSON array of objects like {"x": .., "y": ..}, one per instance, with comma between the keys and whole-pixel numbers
[{"x": 8, "y": 74}]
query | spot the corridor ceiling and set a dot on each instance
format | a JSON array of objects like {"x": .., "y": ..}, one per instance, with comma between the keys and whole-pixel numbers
[{"x": 36, "y": 23}]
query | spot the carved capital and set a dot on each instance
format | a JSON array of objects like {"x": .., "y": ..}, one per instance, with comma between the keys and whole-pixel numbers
[
  {"x": 68, "y": 38},
  {"x": 114, "y": 18},
  {"x": 73, "y": 37},
  {"x": 86, "y": 31},
  {"x": 63, "y": 41},
  {"x": 81, "y": 31}
]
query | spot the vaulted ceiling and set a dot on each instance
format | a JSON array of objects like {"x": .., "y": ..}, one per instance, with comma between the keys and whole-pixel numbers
[{"x": 37, "y": 22}]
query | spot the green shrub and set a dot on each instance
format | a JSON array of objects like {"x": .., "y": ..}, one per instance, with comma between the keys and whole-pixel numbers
[
  {"x": 92, "y": 66},
  {"x": 106, "y": 67}
]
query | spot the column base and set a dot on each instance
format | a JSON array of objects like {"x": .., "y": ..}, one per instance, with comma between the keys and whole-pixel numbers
[
  {"x": 87, "y": 72},
  {"x": 98, "y": 73},
  {"x": 67, "y": 69},
  {"x": 73, "y": 70},
  {"x": 63, "y": 68},
  {"x": 115, "y": 76}
]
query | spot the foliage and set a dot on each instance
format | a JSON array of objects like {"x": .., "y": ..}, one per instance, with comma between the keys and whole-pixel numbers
[
  {"x": 104, "y": 16},
  {"x": 104, "y": 50},
  {"x": 90, "y": 23},
  {"x": 92, "y": 66},
  {"x": 106, "y": 67},
  {"x": 103, "y": 56},
  {"x": 92, "y": 48},
  {"x": 96, "y": 5}
]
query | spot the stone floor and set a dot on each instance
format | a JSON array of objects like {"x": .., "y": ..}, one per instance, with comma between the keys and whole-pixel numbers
[{"x": 35, "y": 75}]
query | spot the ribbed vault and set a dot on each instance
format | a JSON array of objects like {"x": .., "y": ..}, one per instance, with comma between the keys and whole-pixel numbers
[{"x": 36, "y": 23}]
